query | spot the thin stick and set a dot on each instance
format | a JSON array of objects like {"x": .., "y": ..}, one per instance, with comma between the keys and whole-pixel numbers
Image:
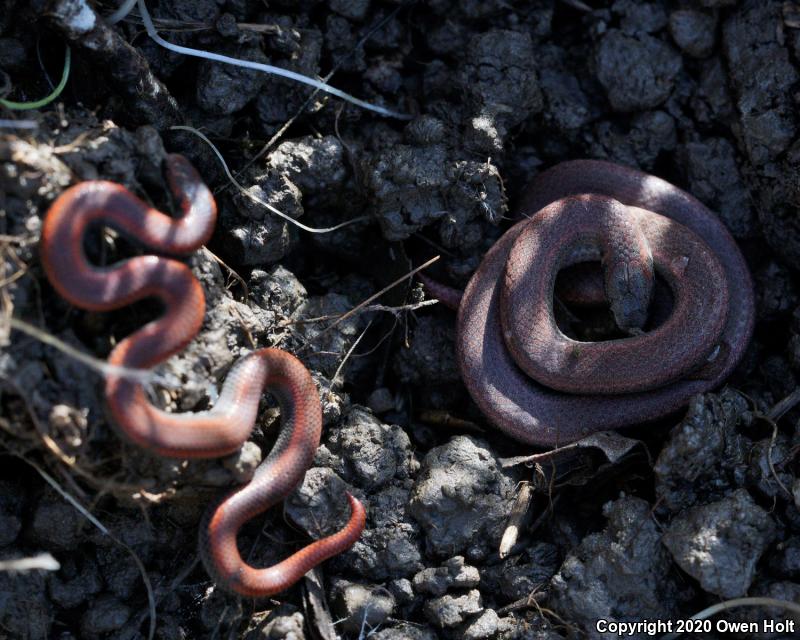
[
  {"x": 515, "y": 519},
  {"x": 21, "y": 240},
  {"x": 266, "y": 68},
  {"x": 785, "y": 405},
  {"x": 395, "y": 311},
  {"x": 230, "y": 270},
  {"x": 41, "y": 562},
  {"x": 375, "y": 296},
  {"x": 121, "y": 13},
  {"x": 142, "y": 376},
  {"x": 771, "y": 464},
  {"x": 246, "y": 193},
  {"x": 349, "y": 353},
  {"x": 381, "y": 23}
]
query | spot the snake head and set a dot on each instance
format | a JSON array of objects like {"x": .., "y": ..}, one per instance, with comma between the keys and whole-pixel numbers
[{"x": 629, "y": 289}]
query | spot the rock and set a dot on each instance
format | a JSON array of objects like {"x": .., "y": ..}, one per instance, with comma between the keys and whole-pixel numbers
[
  {"x": 430, "y": 357},
  {"x": 315, "y": 165},
  {"x": 413, "y": 186},
  {"x": 405, "y": 631},
  {"x": 477, "y": 192},
  {"x": 49, "y": 176},
  {"x": 330, "y": 346},
  {"x": 425, "y": 130},
  {"x": 209, "y": 272},
  {"x": 121, "y": 577},
  {"x": 68, "y": 425},
  {"x": 223, "y": 89},
  {"x": 762, "y": 77},
  {"x": 318, "y": 505},
  {"x": 484, "y": 626},
  {"x": 359, "y": 606},
  {"x": 342, "y": 43},
  {"x": 277, "y": 289},
  {"x": 56, "y": 525},
  {"x": 499, "y": 75},
  {"x": 719, "y": 544},
  {"x": 381, "y": 400},
  {"x": 12, "y": 503},
  {"x": 379, "y": 458},
  {"x": 408, "y": 185},
  {"x": 640, "y": 17},
  {"x": 712, "y": 102},
  {"x": 447, "y": 38},
  {"x": 215, "y": 603},
  {"x": 453, "y": 574},
  {"x": 296, "y": 47},
  {"x": 451, "y": 611},
  {"x": 519, "y": 576},
  {"x": 636, "y": 72},
  {"x": 202, "y": 367},
  {"x": 385, "y": 76},
  {"x": 26, "y": 610},
  {"x": 621, "y": 573},
  {"x": 13, "y": 55},
  {"x": 499, "y": 79},
  {"x": 351, "y": 9},
  {"x": 370, "y": 452},
  {"x": 796, "y": 493},
  {"x": 105, "y": 615},
  {"x": 402, "y": 591},
  {"x": 390, "y": 547},
  {"x": 565, "y": 103},
  {"x": 139, "y": 96},
  {"x": 693, "y": 31},
  {"x": 769, "y": 460},
  {"x": 284, "y": 622},
  {"x": 244, "y": 462},
  {"x": 514, "y": 628},
  {"x": 461, "y": 498},
  {"x": 76, "y": 582},
  {"x": 255, "y": 235},
  {"x": 714, "y": 178},
  {"x": 639, "y": 142},
  {"x": 704, "y": 457},
  {"x": 776, "y": 291},
  {"x": 785, "y": 562},
  {"x": 334, "y": 404},
  {"x": 778, "y": 377},
  {"x": 779, "y": 616}
]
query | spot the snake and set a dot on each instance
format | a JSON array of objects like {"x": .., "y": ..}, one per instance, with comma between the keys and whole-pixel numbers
[
  {"x": 223, "y": 429},
  {"x": 544, "y": 388}
]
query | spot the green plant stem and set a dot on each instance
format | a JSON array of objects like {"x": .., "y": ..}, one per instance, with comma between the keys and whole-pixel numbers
[{"x": 38, "y": 104}]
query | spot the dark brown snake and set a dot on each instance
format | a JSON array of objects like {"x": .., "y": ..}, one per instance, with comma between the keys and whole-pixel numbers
[{"x": 540, "y": 386}]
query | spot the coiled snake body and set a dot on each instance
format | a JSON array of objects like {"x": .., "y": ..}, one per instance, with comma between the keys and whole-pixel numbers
[{"x": 543, "y": 388}]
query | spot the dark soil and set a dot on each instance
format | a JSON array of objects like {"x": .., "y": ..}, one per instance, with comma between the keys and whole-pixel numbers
[{"x": 681, "y": 515}]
